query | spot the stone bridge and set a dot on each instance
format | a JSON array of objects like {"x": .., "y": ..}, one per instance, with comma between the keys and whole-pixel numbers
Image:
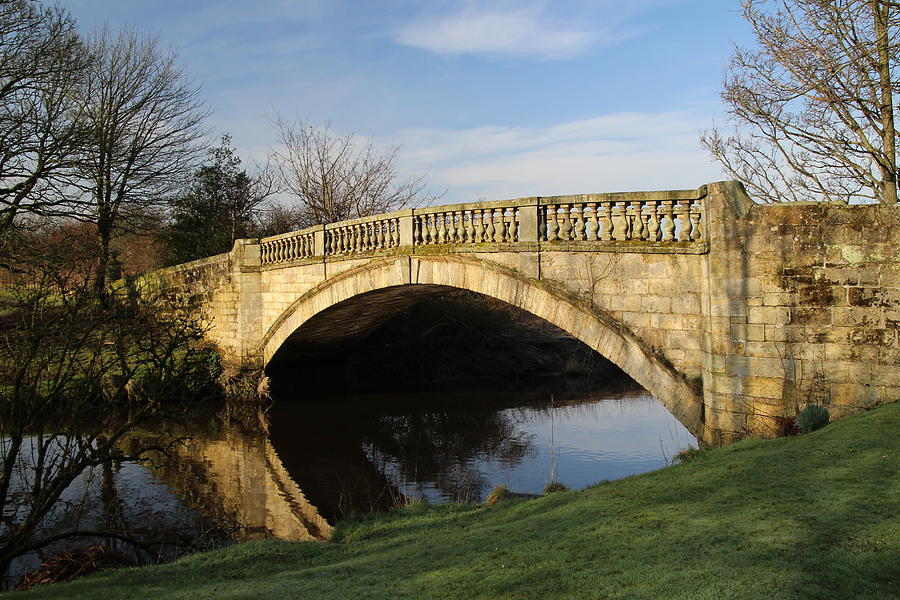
[{"x": 733, "y": 314}]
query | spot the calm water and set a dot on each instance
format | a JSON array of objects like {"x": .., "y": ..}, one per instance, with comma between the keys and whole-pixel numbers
[
  {"x": 330, "y": 457},
  {"x": 457, "y": 445}
]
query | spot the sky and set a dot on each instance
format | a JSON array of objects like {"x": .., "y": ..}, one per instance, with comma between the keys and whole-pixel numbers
[{"x": 489, "y": 99}]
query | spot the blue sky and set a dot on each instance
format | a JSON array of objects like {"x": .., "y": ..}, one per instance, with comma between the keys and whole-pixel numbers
[{"x": 492, "y": 99}]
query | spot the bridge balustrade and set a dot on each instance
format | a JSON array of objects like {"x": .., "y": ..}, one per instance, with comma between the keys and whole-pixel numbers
[{"x": 642, "y": 220}]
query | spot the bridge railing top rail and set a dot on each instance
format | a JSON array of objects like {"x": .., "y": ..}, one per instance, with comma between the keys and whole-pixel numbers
[{"x": 651, "y": 218}]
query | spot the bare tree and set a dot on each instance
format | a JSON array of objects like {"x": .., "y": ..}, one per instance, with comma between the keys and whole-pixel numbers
[
  {"x": 144, "y": 124},
  {"x": 335, "y": 177},
  {"x": 42, "y": 64},
  {"x": 75, "y": 378},
  {"x": 813, "y": 103}
]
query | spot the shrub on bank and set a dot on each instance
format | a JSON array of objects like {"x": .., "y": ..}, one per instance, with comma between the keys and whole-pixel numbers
[{"x": 811, "y": 418}]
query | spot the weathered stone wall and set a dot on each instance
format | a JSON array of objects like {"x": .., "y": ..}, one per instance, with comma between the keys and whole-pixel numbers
[
  {"x": 802, "y": 305},
  {"x": 771, "y": 308}
]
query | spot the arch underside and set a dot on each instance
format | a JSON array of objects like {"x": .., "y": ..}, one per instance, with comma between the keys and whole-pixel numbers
[{"x": 362, "y": 298}]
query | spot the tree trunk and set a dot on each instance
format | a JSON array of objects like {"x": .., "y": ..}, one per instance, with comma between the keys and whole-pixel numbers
[
  {"x": 888, "y": 164},
  {"x": 104, "y": 233}
]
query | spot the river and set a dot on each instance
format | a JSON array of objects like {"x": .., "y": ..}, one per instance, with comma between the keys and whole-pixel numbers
[{"x": 313, "y": 461}]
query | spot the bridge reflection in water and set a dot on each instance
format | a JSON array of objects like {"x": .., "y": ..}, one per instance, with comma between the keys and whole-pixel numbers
[
  {"x": 335, "y": 457},
  {"x": 237, "y": 480}
]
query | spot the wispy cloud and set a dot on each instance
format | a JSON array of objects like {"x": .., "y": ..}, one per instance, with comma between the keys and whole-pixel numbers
[
  {"x": 620, "y": 152},
  {"x": 531, "y": 30}
]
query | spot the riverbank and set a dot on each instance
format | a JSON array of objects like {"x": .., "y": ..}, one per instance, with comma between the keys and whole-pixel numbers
[{"x": 814, "y": 516}]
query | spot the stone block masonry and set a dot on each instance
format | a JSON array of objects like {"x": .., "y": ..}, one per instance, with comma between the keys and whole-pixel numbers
[{"x": 733, "y": 314}]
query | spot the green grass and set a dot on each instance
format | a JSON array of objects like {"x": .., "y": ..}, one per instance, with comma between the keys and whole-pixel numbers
[{"x": 815, "y": 516}]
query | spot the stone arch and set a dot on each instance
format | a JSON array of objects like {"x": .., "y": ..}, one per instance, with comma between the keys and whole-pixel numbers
[{"x": 593, "y": 327}]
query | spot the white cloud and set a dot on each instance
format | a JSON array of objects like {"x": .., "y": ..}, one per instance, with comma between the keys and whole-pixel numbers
[
  {"x": 621, "y": 152},
  {"x": 522, "y": 31}
]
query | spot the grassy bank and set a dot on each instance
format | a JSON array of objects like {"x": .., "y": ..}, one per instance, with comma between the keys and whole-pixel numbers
[{"x": 816, "y": 516}]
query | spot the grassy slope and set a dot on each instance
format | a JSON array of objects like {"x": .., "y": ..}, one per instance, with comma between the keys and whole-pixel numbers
[{"x": 817, "y": 516}]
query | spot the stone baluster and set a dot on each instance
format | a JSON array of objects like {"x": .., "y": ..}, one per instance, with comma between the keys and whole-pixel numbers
[
  {"x": 645, "y": 223},
  {"x": 489, "y": 229},
  {"x": 694, "y": 218},
  {"x": 552, "y": 223},
  {"x": 606, "y": 223},
  {"x": 515, "y": 224},
  {"x": 541, "y": 214},
  {"x": 684, "y": 215},
  {"x": 653, "y": 227},
  {"x": 637, "y": 223},
  {"x": 668, "y": 224},
  {"x": 469, "y": 231},
  {"x": 441, "y": 229},
  {"x": 378, "y": 235},
  {"x": 565, "y": 228},
  {"x": 500, "y": 229},
  {"x": 619, "y": 222},
  {"x": 477, "y": 226},
  {"x": 578, "y": 218},
  {"x": 427, "y": 231},
  {"x": 417, "y": 230},
  {"x": 593, "y": 224},
  {"x": 452, "y": 229}
]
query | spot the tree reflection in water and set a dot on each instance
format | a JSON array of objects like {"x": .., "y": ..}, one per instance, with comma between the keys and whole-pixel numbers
[
  {"x": 441, "y": 448},
  {"x": 353, "y": 454}
]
